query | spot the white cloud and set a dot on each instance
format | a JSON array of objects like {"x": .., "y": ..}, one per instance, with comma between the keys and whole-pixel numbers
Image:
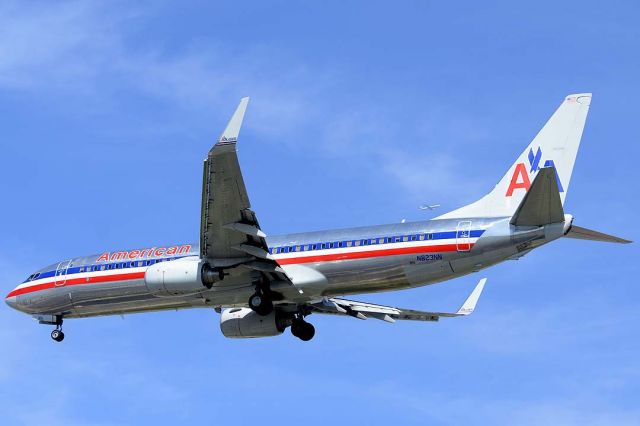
[{"x": 83, "y": 49}]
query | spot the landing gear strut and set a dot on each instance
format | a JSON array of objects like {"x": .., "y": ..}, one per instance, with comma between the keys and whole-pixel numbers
[
  {"x": 261, "y": 301},
  {"x": 302, "y": 329},
  {"x": 57, "y": 334}
]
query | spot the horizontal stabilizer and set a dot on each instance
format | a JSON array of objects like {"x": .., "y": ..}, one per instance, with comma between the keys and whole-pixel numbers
[
  {"x": 588, "y": 234},
  {"x": 541, "y": 205}
]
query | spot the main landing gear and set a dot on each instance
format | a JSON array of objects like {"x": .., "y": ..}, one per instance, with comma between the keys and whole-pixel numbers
[
  {"x": 260, "y": 303},
  {"x": 57, "y": 334},
  {"x": 302, "y": 329}
]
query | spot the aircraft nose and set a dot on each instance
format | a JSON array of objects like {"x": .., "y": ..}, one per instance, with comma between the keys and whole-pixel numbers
[{"x": 11, "y": 301}]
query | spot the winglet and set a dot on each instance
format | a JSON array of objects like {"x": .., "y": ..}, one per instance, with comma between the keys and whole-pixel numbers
[
  {"x": 231, "y": 132},
  {"x": 470, "y": 304}
]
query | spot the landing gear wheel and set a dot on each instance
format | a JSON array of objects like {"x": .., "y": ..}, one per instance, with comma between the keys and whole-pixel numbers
[
  {"x": 57, "y": 335},
  {"x": 303, "y": 330},
  {"x": 260, "y": 304}
]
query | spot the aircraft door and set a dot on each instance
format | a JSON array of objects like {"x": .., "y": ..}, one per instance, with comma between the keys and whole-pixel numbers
[
  {"x": 463, "y": 235},
  {"x": 61, "y": 273}
]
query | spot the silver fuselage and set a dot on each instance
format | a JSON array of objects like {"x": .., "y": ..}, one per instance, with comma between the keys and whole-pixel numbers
[{"x": 330, "y": 263}]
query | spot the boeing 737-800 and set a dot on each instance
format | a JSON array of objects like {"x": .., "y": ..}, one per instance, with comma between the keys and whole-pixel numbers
[{"x": 263, "y": 284}]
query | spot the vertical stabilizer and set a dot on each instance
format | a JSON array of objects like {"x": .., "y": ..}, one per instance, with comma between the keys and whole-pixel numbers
[{"x": 556, "y": 146}]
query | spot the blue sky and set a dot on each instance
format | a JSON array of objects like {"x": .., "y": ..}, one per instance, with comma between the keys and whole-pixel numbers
[{"x": 360, "y": 112}]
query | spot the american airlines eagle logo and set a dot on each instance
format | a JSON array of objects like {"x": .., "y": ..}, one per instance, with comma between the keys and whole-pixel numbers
[{"x": 520, "y": 178}]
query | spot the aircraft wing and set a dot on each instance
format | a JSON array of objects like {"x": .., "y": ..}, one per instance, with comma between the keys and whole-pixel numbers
[
  {"x": 230, "y": 234},
  {"x": 362, "y": 310}
]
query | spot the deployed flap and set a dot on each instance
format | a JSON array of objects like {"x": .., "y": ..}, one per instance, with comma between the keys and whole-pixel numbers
[
  {"x": 363, "y": 310},
  {"x": 588, "y": 234},
  {"x": 541, "y": 205}
]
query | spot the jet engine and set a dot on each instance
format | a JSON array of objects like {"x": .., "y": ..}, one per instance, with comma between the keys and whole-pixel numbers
[
  {"x": 245, "y": 323},
  {"x": 178, "y": 277}
]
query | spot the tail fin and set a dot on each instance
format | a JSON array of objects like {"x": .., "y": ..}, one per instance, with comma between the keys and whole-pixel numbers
[
  {"x": 556, "y": 145},
  {"x": 541, "y": 205}
]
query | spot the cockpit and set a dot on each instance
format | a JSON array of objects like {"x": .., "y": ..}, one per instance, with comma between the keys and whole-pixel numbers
[{"x": 32, "y": 277}]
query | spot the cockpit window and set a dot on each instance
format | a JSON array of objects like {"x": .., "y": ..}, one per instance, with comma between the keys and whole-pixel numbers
[{"x": 33, "y": 277}]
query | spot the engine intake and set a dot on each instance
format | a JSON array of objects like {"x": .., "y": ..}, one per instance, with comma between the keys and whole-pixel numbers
[{"x": 245, "y": 323}]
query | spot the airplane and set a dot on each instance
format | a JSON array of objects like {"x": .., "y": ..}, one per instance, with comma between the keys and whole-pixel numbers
[
  {"x": 262, "y": 284},
  {"x": 429, "y": 206}
]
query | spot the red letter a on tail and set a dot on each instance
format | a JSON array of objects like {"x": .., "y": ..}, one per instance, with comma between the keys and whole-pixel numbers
[{"x": 520, "y": 179}]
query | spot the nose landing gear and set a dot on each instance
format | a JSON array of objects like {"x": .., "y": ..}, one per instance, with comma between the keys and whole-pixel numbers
[{"x": 57, "y": 334}]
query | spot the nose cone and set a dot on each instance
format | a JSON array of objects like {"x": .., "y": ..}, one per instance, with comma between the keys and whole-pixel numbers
[{"x": 11, "y": 301}]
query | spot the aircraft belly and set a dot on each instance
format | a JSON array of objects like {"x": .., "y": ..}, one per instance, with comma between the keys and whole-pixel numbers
[
  {"x": 55, "y": 300},
  {"x": 375, "y": 275}
]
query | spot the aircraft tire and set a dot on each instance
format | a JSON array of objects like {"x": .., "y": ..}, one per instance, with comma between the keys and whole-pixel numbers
[
  {"x": 57, "y": 335},
  {"x": 303, "y": 330},
  {"x": 260, "y": 304}
]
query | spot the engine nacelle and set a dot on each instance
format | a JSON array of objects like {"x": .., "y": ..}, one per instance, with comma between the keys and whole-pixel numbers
[
  {"x": 177, "y": 277},
  {"x": 245, "y": 323}
]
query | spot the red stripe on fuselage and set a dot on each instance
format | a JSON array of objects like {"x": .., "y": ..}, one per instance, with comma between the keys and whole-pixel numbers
[
  {"x": 368, "y": 254},
  {"x": 287, "y": 261},
  {"x": 77, "y": 281}
]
